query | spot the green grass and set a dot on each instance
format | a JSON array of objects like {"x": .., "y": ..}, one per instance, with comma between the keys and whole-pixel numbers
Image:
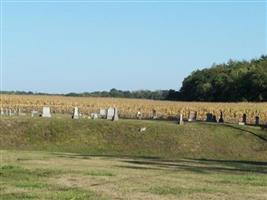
[
  {"x": 60, "y": 158},
  {"x": 56, "y": 176},
  {"x": 162, "y": 139},
  {"x": 100, "y": 173},
  {"x": 179, "y": 191}
]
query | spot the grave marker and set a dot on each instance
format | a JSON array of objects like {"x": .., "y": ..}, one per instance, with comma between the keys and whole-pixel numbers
[
  {"x": 116, "y": 116},
  {"x": 209, "y": 117},
  {"x": 192, "y": 116},
  {"x": 181, "y": 121},
  {"x": 75, "y": 114},
  {"x": 257, "y": 120},
  {"x": 110, "y": 113},
  {"x": 103, "y": 113},
  {"x": 46, "y": 112}
]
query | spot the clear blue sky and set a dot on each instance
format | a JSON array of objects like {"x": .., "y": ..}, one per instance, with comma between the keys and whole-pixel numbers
[{"x": 65, "y": 47}]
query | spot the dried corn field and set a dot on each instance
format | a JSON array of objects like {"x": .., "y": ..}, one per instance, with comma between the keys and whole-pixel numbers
[{"x": 232, "y": 112}]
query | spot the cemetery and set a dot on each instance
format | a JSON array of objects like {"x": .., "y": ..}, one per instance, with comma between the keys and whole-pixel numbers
[
  {"x": 112, "y": 114},
  {"x": 93, "y": 154}
]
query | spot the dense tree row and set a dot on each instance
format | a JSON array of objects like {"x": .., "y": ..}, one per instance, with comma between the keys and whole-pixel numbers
[
  {"x": 233, "y": 81},
  {"x": 139, "y": 94}
]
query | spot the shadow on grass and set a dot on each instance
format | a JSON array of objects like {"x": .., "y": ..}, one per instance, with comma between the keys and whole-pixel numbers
[
  {"x": 193, "y": 165},
  {"x": 206, "y": 166},
  {"x": 247, "y": 131}
]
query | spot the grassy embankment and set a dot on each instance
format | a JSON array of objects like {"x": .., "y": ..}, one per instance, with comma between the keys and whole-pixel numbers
[{"x": 113, "y": 160}]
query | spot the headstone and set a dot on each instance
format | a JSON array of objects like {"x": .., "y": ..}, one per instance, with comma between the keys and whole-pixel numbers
[
  {"x": 94, "y": 115},
  {"x": 139, "y": 115},
  {"x": 75, "y": 114},
  {"x": 34, "y": 112},
  {"x": 46, "y": 112},
  {"x": 244, "y": 118},
  {"x": 21, "y": 113},
  {"x": 181, "y": 121},
  {"x": 110, "y": 113},
  {"x": 214, "y": 119},
  {"x": 209, "y": 117},
  {"x": 257, "y": 120},
  {"x": 103, "y": 113},
  {"x": 192, "y": 116},
  {"x": 221, "y": 120},
  {"x": 2, "y": 111},
  {"x": 116, "y": 116},
  {"x": 241, "y": 123},
  {"x": 10, "y": 112},
  {"x": 154, "y": 115}
]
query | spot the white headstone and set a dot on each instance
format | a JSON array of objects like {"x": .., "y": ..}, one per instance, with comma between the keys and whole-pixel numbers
[
  {"x": 103, "y": 113},
  {"x": 192, "y": 116},
  {"x": 110, "y": 113},
  {"x": 181, "y": 121},
  {"x": 34, "y": 112},
  {"x": 116, "y": 116},
  {"x": 139, "y": 115},
  {"x": 46, "y": 112},
  {"x": 10, "y": 112},
  {"x": 75, "y": 113},
  {"x": 2, "y": 111}
]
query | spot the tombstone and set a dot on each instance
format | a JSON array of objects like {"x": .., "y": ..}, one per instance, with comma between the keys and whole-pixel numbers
[
  {"x": 110, "y": 113},
  {"x": 75, "y": 114},
  {"x": 46, "y": 112},
  {"x": 10, "y": 112},
  {"x": 2, "y": 112},
  {"x": 192, "y": 116},
  {"x": 257, "y": 120},
  {"x": 181, "y": 121},
  {"x": 94, "y": 116},
  {"x": 209, "y": 117},
  {"x": 139, "y": 115},
  {"x": 103, "y": 113},
  {"x": 7, "y": 112},
  {"x": 21, "y": 113},
  {"x": 34, "y": 112},
  {"x": 221, "y": 120},
  {"x": 154, "y": 114},
  {"x": 244, "y": 119},
  {"x": 214, "y": 119},
  {"x": 116, "y": 116},
  {"x": 241, "y": 123}
]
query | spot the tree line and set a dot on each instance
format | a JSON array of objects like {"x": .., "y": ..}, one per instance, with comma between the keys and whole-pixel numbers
[{"x": 228, "y": 82}]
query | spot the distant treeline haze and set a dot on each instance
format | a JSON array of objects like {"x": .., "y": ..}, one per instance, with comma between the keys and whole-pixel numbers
[{"x": 229, "y": 82}]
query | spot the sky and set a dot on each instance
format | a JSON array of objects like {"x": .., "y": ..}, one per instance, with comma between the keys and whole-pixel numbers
[{"x": 61, "y": 47}]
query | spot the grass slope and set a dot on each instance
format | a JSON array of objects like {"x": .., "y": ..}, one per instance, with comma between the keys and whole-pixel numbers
[{"x": 162, "y": 139}]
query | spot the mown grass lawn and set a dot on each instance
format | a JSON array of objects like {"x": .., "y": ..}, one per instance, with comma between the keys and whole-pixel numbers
[{"x": 44, "y": 175}]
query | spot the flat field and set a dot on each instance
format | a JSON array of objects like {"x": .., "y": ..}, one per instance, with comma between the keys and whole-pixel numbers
[{"x": 56, "y": 176}]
